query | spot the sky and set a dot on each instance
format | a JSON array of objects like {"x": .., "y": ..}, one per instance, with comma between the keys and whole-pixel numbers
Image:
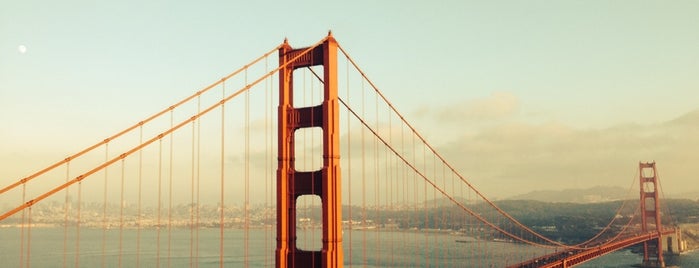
[{"x": 518, "y": 95}]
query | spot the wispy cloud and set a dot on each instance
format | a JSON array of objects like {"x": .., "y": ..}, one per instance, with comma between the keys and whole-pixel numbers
[
  {"x": 496, "y": 106},
  {"x": 518, "y": 157}
]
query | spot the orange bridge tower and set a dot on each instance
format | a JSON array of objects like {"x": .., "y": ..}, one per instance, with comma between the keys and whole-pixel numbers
[
  {"x": 325, "y": 183},
  {"x": 650, "y": 214}
]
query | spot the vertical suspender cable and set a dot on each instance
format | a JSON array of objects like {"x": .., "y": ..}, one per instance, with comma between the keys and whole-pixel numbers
[
  {"x": 104, "y": 206},
  {"x": 443, "y": 224},
  {"x": 21, "y": 236},
  {"x": 160, "y": 200},
  {"x": 376, "y": 181},
  {"x": 425, "y": 207},
  {"x": 222, "y": 204},
  {"x": 415, "y": 198},
  {"x": 311, "y": 167},
  {"x": 121, "y": 214},
  {"x": 435, "y": 211},
  {"x": 364, "y": 223},
  {"x": 273, "y": 129},
  {"x": 302, "y": 243},
  {"x": 65, "y": 220},
  {"x": 29, "y": 237},
  {"x": 306, "y": 164},
  {"x": 140, "y": 194},
  {"x": 191, "y": 195},
  {"x": 267, "y": 168},
  {"x": 196, "y": 225},
  {"x": 169, "y": 209},
  {"x": 481, "y": 242},
  {"x": 198, "y": 179},
  {"x": 466, "y": 220},
  {"x": 390, "y": 187},
  {"x": 272, "y": 182},
  {"x": 456, "y": 223},
  {"x": 77, "y": 225},
  {"x": 247, "y": 173},
  {"x": 404, "y": 183},
  {"x": 434, "y": 249},
  {"x": 313, "y": 142},
  {"x": 349, "y": 166},
  {"x": 487, "y": 245}
]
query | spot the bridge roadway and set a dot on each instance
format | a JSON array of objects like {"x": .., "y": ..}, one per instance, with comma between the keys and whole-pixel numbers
[{"x": 569, "y": 258}]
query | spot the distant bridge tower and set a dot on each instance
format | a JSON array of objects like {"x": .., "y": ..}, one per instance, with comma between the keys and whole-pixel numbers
[
  {"x": 291, "y": 184},
  {"x": 650, "y": 214}
]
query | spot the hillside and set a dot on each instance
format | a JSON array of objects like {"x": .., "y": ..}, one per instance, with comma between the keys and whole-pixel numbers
[{"x": 590, "y": 195}]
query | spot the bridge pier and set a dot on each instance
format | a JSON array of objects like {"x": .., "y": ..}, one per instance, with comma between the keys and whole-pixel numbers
[{"x": 675, "y": 243}]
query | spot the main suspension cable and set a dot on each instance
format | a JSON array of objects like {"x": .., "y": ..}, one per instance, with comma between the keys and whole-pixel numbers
[
  {"x": 443, "y": 160},
  {"x": 157, "y": 137},
  {"x": 141, "y": 123}
]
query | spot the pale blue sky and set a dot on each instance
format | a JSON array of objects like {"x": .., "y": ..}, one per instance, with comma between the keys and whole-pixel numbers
[{"x": 588, "y": 67}]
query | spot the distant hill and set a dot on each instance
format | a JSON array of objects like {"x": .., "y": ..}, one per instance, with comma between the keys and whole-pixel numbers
[
  {"x": 595, "y": 194},
  {"x": 687, "y": 195}
]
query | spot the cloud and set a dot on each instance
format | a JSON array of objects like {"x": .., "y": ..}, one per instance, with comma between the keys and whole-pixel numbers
[
  {"x": 517, "y": 157},
  {"x": 496, "y": 106}
]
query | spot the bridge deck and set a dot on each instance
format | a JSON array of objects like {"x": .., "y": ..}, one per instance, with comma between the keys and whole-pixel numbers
[{"x": 573, "y": 257}]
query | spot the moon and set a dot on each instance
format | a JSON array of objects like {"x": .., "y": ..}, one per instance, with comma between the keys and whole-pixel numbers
[{"x": 22, "y": 49}]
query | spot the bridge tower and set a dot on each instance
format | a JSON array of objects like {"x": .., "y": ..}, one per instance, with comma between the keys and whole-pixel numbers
[
  {"x": 650, "y": 214},
  {"x": 325, "y": 183}
]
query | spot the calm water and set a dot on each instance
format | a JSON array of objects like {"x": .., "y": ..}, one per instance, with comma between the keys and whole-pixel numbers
[{"x": 375, "y": 249}]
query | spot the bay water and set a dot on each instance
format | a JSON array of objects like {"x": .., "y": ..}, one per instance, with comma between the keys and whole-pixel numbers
[{"x": 57, "y": 247}]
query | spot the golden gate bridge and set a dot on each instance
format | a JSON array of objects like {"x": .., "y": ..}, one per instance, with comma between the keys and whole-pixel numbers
[{"x": 204, "y": 167}]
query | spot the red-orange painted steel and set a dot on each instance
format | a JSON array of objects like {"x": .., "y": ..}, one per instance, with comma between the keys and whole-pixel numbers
[
  {"x": 291, "y": 183},
  {"x": 649, "y": 190},
  {"x": 584, "y": 256}
]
